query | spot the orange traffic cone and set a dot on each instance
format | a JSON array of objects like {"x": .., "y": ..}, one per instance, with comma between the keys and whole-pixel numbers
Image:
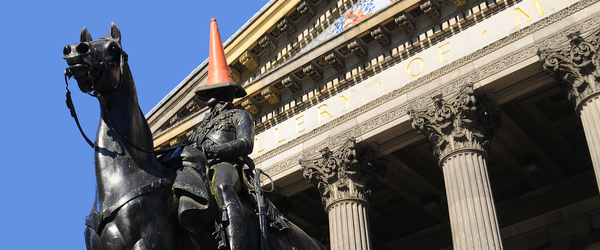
[{"x": 218, "y": 73}]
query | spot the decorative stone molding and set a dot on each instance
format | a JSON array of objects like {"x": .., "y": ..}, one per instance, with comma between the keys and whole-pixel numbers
[
  {"x": 382, "y": 36},
  {"x": 576, "y": 65},
  {"x": 285, "y": 26},
  {"x": 456, "y": 123},
  {"x": 459, "y": 3},
  {"x": 266, "y": 42},
  {"x": 335, "y": 60},
  {"x": 305, "y": 8},
  {"x": 249, "y": 60},
  {"x": 175, "y": 141},
  {"x": 271, "y": 94},
  {"x": 406, "y": 22},
  {"x": 174, "y": 119},
  {"x": 401, "y": 110},
  {"x": 251, "y": 106},
  {"x": 313, "y": 72},
  {"x": 291, "y": 84},
  {"x": 192, "y": 106},
  {"x": 347, "y": 172},
  {"x": 357, "y": 48},
  {"x": 235, "y": 74},
  {"x": 431, "y": 8},
  {"x": 391, "y": 25}
]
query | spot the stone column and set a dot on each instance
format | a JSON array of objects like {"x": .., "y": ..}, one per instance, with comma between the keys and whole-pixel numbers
[
  {"x": 344, "y": 178},
  {"x": 575, "y": 65},
  {"x": 459, "y": 130}
]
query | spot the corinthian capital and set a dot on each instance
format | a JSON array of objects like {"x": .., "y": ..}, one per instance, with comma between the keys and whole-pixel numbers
[
  {"x": 575, "y": 64},
  {"x": 345, "y": 173},
  {"x": 456, "y": 123}
]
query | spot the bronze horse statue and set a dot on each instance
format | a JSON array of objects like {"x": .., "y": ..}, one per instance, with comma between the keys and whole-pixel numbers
[{"x": 136, "y": 206}]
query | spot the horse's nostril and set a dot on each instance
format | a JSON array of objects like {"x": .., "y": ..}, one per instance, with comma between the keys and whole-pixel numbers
[
  {"x": 82, "y": 48},
  {"x": 67, "y": 50}
]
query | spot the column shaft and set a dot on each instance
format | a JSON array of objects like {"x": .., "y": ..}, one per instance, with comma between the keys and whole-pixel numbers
[
  {"x": 349, "y": 226},
  {"x": 590, "y": 118},
  {"x": 471, "y": 207}
]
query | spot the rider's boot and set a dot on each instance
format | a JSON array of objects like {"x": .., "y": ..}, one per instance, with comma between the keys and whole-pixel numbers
[
  {"x": 236, "y": 227},
  {"x": 234, "y": 220}
]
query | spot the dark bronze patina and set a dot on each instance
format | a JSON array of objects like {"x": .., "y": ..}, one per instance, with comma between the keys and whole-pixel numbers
[{"x": 142, "y": 203}]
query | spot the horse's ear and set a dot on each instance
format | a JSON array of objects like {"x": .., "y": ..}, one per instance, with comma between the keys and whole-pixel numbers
[
  {"x": 115, "y": 33},
  {"x": 85, "y": 36}
]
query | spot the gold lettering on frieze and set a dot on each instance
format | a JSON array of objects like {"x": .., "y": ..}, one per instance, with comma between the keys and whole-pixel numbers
[
  {"x": 257, "y": 151},
  {"x": 298, "y": 130},
  {"x": 346, "y": 99},
  {"x": 443, "y": 52},
  {"x": 536, "y": 3},
  {"x": 323, "y": 112},
  {"x": 408, "y": 71},
  {"x": 277, "y": 141}
]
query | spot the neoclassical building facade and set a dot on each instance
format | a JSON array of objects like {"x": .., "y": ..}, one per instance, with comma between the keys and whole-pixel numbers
[{"x": 420, "y": 124}]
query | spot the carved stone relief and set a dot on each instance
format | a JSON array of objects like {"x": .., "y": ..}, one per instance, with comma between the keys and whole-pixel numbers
[
  {"x": 431, "y": 8},
  {"x": 357, "y": 48},
  {"x": 249, "y": 60},
  {"x": 457, "y": 122},
  {"x": 406, "y": 22},
  {"x": 251, "y": 106},
  {"x": 347, "y": 172},
  {"x": 267, "y": 43},
  {"x": 290, "y": 83},
  {"x": 335, "y": 60},
  {"x": 271, "y": 94},
  {"x": 285, "y": 26},
  {"x": 305, "y": 8},
  {"x": 313, "y": 72},
  {"x": 575, "y": 65},
  {"x": 382, "y": 36}
]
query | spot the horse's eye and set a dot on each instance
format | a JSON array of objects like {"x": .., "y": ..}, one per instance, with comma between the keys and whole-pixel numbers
[{"x": 114, "y": 49}]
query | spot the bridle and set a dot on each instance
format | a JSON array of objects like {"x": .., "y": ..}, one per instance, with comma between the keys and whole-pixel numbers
[{"x": 103, "y": 65}]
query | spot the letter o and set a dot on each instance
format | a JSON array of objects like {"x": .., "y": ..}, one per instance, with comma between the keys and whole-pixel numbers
[{"x": 420, "y": 70}]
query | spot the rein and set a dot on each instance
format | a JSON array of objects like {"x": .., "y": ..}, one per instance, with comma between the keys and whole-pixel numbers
[{"x": 96, "y": 94}]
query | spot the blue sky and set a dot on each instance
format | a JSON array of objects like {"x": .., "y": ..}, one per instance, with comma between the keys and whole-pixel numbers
[{"x": 48, "y": 169}]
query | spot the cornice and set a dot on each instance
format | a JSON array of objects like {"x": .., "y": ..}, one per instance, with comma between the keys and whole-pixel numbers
[
  {"x": 259, "y": 27},
  {"x": 451, "y": 87}
]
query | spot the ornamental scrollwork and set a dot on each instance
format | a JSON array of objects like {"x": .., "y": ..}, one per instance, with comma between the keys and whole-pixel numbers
[
  {"x": 456, "y": 123},
  {"x": 347, "y": 172},
  {"x": 576, "y": 65}
]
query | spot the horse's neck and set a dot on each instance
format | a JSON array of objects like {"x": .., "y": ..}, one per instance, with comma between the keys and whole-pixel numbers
[
  {"x": 118, "y": 164},
  {"x": 122, "y": 110}
]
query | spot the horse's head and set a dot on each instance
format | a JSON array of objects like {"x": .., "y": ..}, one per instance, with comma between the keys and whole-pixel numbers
[{"x": 96, "y": 65}]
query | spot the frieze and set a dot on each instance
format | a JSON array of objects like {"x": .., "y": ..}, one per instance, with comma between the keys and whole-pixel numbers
[{"x": 455, "y": 85}]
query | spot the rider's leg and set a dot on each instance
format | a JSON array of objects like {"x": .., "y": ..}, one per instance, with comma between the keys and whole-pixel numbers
[{"x": 226, "y": 186}]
